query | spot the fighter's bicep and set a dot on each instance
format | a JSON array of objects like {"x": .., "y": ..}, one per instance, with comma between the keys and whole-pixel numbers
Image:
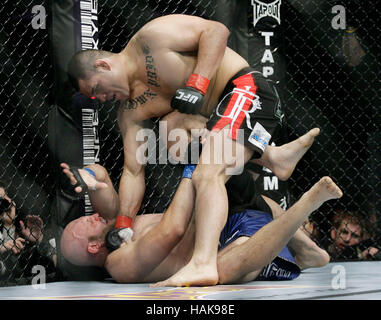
[
  {"x": 123, "y": 265},
  {"x": 137, "y": 258}
]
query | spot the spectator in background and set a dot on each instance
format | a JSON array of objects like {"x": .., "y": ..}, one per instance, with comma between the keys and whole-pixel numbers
[
  {"x": 14, "y": 239},
  {"x": 9, "y": 240},
  {"x": 350, "y": 239}
]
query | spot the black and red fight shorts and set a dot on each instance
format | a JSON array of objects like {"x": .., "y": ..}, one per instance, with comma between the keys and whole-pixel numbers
[{"x": 250, "y": 104}]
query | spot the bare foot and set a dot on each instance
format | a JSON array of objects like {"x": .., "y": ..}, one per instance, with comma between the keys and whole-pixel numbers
[
  {"x": 283, "y": 159},
  {"x": 325, "y": 189},
  {"x": 191, "y": 275},
  {"x": 90, "y": 181},
  {"x": 307, "y": 253}
]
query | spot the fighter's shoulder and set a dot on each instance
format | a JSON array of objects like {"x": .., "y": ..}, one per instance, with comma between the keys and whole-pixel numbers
[
  {"x": 162, "y": 21},
  {"x": 155, "y": 28},
  {"x": 151, "y": 28}
]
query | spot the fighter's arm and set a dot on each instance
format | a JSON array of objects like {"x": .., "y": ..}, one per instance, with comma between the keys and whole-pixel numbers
[
  {"x": 132, "y": 182},
  {"x": 103, "y": 197},
  {"x": 134, "y": 261},
  {"x": 184, "y": 34}
]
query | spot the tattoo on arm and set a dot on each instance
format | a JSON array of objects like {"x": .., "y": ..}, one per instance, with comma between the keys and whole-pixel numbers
[{"x": 150, "y": 67}]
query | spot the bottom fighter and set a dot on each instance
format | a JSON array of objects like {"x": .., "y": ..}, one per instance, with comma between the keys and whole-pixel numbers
[{"x": 253, "y": 245}]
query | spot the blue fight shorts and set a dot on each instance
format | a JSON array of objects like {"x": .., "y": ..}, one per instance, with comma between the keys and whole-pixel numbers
[{"x": 247, "y": 223}]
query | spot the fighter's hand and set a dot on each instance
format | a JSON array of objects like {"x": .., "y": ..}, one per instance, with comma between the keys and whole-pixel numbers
[
  {"x": 91, "y": 182},
  {"x": 122, "y": 233},
  {"x": 187, "y": 100},
  {"x": 190, "y": 98}
]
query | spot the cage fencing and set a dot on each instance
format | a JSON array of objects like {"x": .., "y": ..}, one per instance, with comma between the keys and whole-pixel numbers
[{"x": 325, "y": 62}]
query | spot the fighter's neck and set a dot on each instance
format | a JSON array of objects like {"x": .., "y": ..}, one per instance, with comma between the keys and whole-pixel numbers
[{"x": 129, "y": 59}]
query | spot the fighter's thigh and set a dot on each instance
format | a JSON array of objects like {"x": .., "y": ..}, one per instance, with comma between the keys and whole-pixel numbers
[
  {"x": 231, "y": 246},
  {"x": 230, "y": 267},
  {"x": 221, "y": 155},
  {"x": 251, "y": 276},
  {"x": 178, "y": 129}
]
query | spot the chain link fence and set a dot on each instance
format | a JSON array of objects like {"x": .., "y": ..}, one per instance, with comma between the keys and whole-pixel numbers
[
  {"x": 332, "y": 53},
  {"x": 26, "y": 84},
  {"x": 331, "y": 81}
]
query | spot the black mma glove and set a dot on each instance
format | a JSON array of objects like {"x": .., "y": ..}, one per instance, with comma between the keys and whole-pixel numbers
[
  {"x": 122, "y": 232},
  {"x": 190, "y": 98}
]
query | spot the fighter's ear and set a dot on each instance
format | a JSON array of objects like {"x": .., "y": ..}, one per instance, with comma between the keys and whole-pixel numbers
[
  {"x": 103, "y": 64},
  {"x": 93, "y": 247}
]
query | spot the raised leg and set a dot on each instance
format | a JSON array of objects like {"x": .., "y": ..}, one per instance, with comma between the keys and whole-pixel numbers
[
  {"x": 260, "y": 249},
  {"x": 307, "y": 253}
]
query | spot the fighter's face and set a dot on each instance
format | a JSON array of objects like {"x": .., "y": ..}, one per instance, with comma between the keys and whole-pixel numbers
[
  {"x": 105, "y": 86},
  {"x": 92, "y": 227}
]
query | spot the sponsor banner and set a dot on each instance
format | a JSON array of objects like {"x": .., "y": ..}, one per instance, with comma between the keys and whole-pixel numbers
[{"x": 263, "y": 10}]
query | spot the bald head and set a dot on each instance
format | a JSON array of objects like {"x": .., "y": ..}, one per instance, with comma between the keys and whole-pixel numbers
[
  {"x": 82, "y": 241},
  {"x": 74, "y": 247},
  {"x": 82, "y": 65}
]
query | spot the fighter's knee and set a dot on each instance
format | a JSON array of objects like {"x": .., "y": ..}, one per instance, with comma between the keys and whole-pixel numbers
[
  {"x": 174, "y": 231},
  {"x": 179, "y": 231},
  {"x": 205, "y": 176}
]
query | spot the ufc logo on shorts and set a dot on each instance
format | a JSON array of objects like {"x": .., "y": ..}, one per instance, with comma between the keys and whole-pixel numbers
[
  {"x": 187, "y": 97},
  {"x": 243, "y": 98}
]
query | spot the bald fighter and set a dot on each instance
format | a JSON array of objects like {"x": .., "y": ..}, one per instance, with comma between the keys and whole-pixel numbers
[
  {"x": 182, "y": 62},
  {"x": 163, "y": 243}
]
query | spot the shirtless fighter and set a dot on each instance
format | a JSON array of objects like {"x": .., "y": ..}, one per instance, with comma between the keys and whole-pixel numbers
[
  {"x": 182, "y": 62},
  {"x": 163, "y": 243}
]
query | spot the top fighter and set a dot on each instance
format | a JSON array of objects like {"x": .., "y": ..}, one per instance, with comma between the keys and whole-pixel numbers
[{"x": 182, "y": 62}]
